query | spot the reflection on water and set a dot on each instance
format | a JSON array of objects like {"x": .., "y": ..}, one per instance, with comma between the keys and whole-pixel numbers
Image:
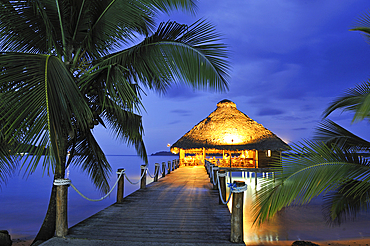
[
  {"x": 296, "y": 222},
  {"x": 24, "y": 201}
]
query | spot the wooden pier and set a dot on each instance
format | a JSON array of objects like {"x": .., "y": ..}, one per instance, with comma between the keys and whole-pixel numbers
[{"x": 179, "y": 209}]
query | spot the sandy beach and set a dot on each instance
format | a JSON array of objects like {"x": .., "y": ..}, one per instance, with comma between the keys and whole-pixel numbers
[{"x": 22, "y": 242}]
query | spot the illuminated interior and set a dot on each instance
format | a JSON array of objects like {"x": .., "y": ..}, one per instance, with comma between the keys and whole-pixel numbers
[{"x": 228, "y": 138}]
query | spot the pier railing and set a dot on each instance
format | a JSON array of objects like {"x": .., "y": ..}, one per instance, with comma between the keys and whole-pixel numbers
[
  {"x": 63, "y": 184},
  {"x": 221, "y": 178},
  {"x": 218, "y": 177}
]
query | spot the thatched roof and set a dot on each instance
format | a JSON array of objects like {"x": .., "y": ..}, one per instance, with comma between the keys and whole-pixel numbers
[{"x": 227, "y": 128}]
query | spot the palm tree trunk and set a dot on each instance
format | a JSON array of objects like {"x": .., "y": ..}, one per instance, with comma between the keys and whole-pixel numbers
[{"x": 47, "y": 229}]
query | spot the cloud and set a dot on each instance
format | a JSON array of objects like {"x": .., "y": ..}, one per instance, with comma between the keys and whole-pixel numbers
[
  {"x": 174, "y": 122},
  {"x": 299, "y": 129},
  {"x": 181, "y": 112},
  {"x": 270, "y": 111}
]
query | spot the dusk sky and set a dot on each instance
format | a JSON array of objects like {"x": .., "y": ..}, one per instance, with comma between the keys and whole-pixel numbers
[{"x": 289, "y": 59}]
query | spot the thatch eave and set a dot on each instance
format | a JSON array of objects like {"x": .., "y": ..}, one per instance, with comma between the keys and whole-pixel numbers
[
  {"x": 227, "y": 128},
  {"x": 273, "y": 145}
]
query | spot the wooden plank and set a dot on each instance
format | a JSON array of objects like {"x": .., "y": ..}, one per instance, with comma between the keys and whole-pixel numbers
[{"x": 179, "y": 208}]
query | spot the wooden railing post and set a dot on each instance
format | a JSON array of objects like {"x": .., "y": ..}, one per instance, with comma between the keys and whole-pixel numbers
[
  {"x": 120, "y": 185},
  {"x": 255, "y": 179},
  {"x": 211, "y": 171},
  {"x": 173, "y": 165},
  {"x": 143, "y": 179},
  {"x": 237, "y": 215},
  {"x": 169, "y": 167},
  {"x": 61, "y": 226},
  {"x": 215, "y": 170},
  {"x": 163, "y": 169},
  {"x": 222, "y": 181},
  {"x": 156, "y": 172}
]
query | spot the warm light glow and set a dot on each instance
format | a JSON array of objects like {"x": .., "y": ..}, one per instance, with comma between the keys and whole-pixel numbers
[
  {"x": 232, "y": 139},
  {"x": 269, "y": 153},
  {"x": 168, "y": 145}
]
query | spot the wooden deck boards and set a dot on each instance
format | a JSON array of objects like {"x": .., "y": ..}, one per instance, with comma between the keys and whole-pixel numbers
[{"x": 179, "y": 209}]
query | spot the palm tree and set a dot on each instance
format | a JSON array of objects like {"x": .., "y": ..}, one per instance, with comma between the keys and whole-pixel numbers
[
  {"x": 63, "y": 71},
  {"x": 7, "y": 165},
  {"x": 333, "y": 164}
]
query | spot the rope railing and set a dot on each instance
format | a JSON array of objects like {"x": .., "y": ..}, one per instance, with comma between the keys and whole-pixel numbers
[
  {"x": 213, "y": 176},
  {"x": 59, "y": 182},
  {"x": 219, "y": 188},
  {"x": 142, "y": 175},
  {"x": 232, "y": 186},
  {"x": 61, "y": 227},
  {"x": 235, "y": 189},
  {"x": 156, "y": 170}
]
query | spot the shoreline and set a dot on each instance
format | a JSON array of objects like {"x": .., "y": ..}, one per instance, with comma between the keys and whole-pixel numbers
[{"x": 344, "y": 242}]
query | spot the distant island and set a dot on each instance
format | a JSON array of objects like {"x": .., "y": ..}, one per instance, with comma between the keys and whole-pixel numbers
[{"x": 164, "y": 153}]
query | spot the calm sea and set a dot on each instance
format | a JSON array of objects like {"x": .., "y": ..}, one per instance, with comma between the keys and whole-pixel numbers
[
  {"x": 24, "y": 200},
  {"x": 23, "y": 204}
]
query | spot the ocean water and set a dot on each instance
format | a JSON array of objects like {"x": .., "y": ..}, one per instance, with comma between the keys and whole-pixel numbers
[
  {"x": 23, "y": 204},
  {"x": 296, "y": 222},
  {"x": 24, "y": 200}
]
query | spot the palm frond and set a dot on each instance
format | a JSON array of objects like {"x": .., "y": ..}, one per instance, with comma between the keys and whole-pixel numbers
[
  {"x": 177, "y": 53},
  {"x": 39, "y": 99},
  {"x": 126, "y": 126},
  {"x": 109, "y": 81},
  {"x": 92, "y": 160},
  {"x": 167, "y": 5},
  {"x": 331, "y": 133},
  {"x": 113, "y": 100},
  {"x": 340, "y": 206},
  {"x": 309, "y": 169},
  {"x": 7, "y": 162},
  {"x": 113, "y": 22},
  {"x": 28, "y": 26},
  {"x": 363, "y": 25},
  {"x": 355, "y": 99}
]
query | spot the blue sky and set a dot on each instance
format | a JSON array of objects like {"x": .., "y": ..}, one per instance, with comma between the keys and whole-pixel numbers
[{"x": 289, "y": 59}]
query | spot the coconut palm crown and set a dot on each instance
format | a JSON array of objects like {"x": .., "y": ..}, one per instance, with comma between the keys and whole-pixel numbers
[
  {"x": 69, "y": 65},
  {"x": 63, "y": 71}
]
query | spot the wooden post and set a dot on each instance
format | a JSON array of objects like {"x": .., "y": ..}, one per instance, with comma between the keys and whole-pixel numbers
[
  {"x": 120, "y": 185},
  {"x": 61, "y": 226},
  {"x": 237, "y": 215},
  {"x": 169, "y": 167},
  {"x": 156, "y": 172},
  {"x": 173, "y": 165},
  {"x": 143, "y": 179},
  {"x": 255, "y": 172},
  {"x": 210, "y": 172},
  {"x": 163, "y": 169},
  {"x": 255, "y": 179},
  {"x": 215, "y": 170},
  {"x": 222, "y": 187}
]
